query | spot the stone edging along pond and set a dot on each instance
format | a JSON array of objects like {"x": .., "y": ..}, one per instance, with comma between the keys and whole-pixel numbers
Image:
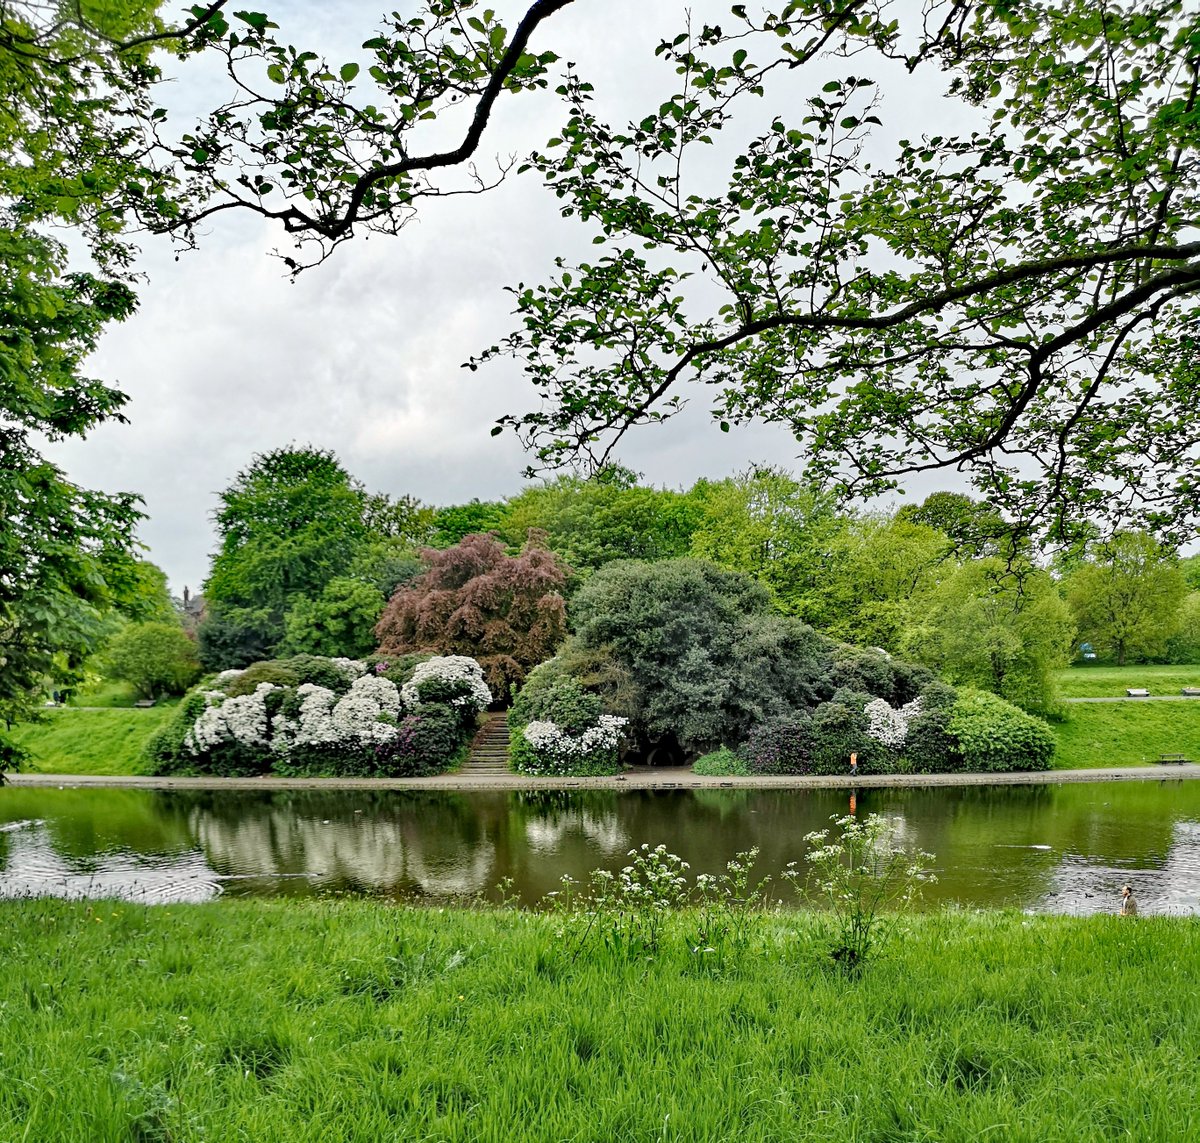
[{"x": 637, "y": 779}]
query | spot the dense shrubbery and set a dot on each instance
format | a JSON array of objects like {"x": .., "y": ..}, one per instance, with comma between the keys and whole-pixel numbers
[
  {"x": 994, "y": 735},
  {"x": 315, "y": 716},
  {"x": 692, "y": 657},
  {"x": 556, "y": 727},
  {"x": 683, "y": 648}
]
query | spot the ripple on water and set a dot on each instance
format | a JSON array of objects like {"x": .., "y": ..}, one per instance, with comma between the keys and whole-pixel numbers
[{"x": 36, "y": 870}]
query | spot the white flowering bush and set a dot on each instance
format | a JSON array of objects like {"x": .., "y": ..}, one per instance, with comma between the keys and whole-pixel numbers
[
  {"x": 236, "y": 728},
  {"x": 454, "y": 679},
  {"x": 546, "y": 748},
  {"x": 317, "y": 719},
  {"x": 888, "y": 725},
  {"x": 360, "y": 728}
]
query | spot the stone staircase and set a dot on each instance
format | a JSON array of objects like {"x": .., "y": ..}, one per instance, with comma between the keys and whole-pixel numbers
[{"x": 489, "y": 750}]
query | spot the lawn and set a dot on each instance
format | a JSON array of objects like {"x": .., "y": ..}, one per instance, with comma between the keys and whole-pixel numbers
[
  {"x": 371, "y": 1023},
  {"x": 1111, "y": 682},
  {"x": 1126, "y": 733},
  {"x": 91, "y": 741}
]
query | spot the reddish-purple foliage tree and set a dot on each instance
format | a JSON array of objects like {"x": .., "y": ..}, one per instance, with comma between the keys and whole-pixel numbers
[{"x": 474, "y": 599}]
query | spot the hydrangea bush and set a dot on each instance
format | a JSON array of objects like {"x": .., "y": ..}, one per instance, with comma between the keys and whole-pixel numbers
[{"x": 362, "y": 724}]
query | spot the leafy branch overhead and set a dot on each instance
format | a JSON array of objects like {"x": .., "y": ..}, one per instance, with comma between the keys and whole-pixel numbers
[
  {"x": 1011, "y": 291},
  {"x": 1017, "y": 300},
  {"x": 325, "y": 148}
]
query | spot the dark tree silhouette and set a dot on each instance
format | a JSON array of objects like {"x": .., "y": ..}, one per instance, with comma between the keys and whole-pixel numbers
[{"x": 474, "y": 599}]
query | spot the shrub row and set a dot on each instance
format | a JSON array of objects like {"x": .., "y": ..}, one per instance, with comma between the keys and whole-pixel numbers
[
  {"x": 948, "y": 732},
  {"x": 310, "y": 716}
]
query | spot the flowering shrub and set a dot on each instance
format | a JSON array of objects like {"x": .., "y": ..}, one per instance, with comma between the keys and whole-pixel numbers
[
  {"x": 994, "y": 735},
  {"x": 422, "y": 744},
  {"x": 356, "y": 726},
  {"x": 453, "y": 679},
  {"x": 889, "y": 726},
  {"x": 546, "y": 748}
]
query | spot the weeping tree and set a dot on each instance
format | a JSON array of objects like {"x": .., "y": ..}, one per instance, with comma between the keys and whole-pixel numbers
[{"x": 474, "y": 599}]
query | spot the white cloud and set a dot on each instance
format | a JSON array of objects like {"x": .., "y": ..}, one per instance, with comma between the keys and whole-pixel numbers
[{"x": 228, "y": 357}]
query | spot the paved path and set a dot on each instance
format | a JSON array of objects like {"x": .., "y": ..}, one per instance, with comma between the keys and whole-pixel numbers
[
  {"x": 1141, "y": 698},
  {"x": 639, "y": 778}
]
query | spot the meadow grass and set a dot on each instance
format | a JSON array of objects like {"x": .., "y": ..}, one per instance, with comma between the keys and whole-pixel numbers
[
  {"x": 1126, "y": 733},
  {"x": 1111, "y": 682},
  {"x": 360, "y": 1021},
  {"x": 105, "y": 692},
  {"x": 108, "y": 742}
]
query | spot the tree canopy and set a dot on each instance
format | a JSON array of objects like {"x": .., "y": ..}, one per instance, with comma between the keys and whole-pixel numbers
[
  {"x": 507, "y": 612},
  {"x": 74, "y": 89},
  {"x": 1015, "y": 297}
]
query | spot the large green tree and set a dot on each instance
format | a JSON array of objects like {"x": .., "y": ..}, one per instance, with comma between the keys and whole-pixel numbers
[
  {"x": 1126, "y": 597},
  {"x": 290, "y": 523},
  {"x": 590, "y": 523},
  {"x": 998, "y": 625},
  {"x": 76, "y": 81},
  {"x": 155, "y": 657},
  {"x": 769, "y": 525}
]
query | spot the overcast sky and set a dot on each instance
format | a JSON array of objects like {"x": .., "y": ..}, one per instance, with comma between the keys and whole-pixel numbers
[{"x": 227, "y": 356}]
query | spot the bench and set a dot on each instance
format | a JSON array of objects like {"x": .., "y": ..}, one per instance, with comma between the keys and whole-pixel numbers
[
  {"x": 1191, "y": 692},
  {"x": 143, "y": 703},
  {"x": 1164, "y": 758},
  {"x": 1137, "y": 692}
]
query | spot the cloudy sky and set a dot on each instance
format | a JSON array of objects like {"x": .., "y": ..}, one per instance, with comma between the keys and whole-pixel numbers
[{"x": 228, "y": 357}]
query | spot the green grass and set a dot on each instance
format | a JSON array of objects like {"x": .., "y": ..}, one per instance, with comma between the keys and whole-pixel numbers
[
  {"x": 1126, "y": 733},
  {"x": 368, "y": 1023},
  {"x": 1111, "y": 682},
  {"x": 720, "y": 764},
  {"x": 105, "y": 694},
  {"x": 91, "y": 741}
]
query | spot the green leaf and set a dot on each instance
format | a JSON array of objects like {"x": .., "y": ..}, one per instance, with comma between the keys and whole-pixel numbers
[{"x": 348, "y": 72}]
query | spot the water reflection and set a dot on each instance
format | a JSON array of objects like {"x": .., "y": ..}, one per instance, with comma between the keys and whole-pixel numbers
[{"x": 1046, "y": 848}]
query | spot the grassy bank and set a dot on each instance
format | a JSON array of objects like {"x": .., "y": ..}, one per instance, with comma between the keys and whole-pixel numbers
[
  {"x": 1112, "y": 682},
  {"x": 364, "y": 1022},
  {"x": 91, "y": 741},
  {"x": 1126, "y": 733}
]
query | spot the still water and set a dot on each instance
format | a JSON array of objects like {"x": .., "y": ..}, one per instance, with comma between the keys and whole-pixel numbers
[{"x": 1052, "y": 848}]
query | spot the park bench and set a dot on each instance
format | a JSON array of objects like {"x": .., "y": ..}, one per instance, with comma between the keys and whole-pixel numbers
[
  {"x": 1191, "y": 692},
  {"x": 144, "y": 703},
  {"x": 1137, "y": 692},
  {"x": 1164, "y": 758}
]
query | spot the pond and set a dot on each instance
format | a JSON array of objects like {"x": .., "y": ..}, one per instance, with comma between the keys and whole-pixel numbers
[{"x": 1047, "y": 848}]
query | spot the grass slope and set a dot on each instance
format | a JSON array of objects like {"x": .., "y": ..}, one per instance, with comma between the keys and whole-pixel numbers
[
  {"x": 91, "y": 741},
  {"x": 1126, "y": 733},
  {"x": 1111, "y": 682},
  {"x": 369, "y": 1023}
]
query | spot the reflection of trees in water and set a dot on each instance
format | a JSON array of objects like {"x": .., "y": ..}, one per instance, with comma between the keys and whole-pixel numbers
[
  {"x": 34, "y": 866},
  {"x": 434, "y": 844},
  {"x": 439, "y": 843},
  {"x": 1166, "y": 885},
  {"x": 592, "y": 816},
  {"x": 84, "y": 824}
]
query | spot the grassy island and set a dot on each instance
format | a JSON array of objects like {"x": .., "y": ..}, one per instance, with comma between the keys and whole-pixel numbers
[{"x": 353, "y": 1020}]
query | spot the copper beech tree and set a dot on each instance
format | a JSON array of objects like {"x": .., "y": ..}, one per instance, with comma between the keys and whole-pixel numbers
[{"x": 474, "y": 599}]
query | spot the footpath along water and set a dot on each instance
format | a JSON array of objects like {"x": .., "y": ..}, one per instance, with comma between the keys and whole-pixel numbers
[{"x": 1048, "y": 848}]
